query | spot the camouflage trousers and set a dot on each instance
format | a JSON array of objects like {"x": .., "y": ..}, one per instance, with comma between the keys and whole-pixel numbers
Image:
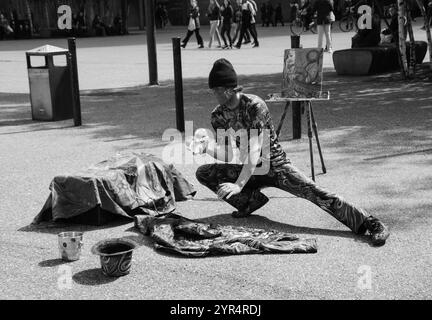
[{"x": 285, "y": 177}]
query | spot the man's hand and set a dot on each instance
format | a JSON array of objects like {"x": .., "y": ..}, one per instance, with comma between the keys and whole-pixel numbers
[{"x": 228, "y": 189}]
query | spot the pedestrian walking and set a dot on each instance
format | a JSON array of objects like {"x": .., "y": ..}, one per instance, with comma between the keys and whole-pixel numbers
[
  {"x": 194, "y": 26},
  {"x": 240, "y": 184},
  {"x": 214, "y": 16},
  {"x": 227, "y": 19},
  {"x": 253, "y": 23},
  {"x": 248, "y": 13},
  {"x": 325, "y": 17},
  {"x": 238, "y": 24}
]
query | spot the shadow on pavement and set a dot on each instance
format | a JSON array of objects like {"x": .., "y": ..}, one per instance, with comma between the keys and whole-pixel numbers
[
  {"x": 52, "y": 263},
  {"x": 92, "y": 277},
  {"x": 57, "y": 227},
  {"x": 260, "y": 222}
]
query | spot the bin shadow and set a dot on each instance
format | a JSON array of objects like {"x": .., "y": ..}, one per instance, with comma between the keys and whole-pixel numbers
[
  {"x": 92, "y": 277},
  {"x": 52, "y": 263}
]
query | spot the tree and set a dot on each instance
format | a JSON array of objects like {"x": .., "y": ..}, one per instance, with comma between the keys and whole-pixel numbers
[
  {"x": 401, "y": 37},
  {"x": 427, "y": 28},
  {"x": 29, "y": 16}
]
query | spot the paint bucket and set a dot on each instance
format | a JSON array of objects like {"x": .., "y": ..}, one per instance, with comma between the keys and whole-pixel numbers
[
  {"x": 70, "y": 244},
  {"x": 115, "y": 256}
]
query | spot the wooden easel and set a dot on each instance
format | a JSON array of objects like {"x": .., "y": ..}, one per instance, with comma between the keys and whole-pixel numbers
[{"x": 311, "y": 123}]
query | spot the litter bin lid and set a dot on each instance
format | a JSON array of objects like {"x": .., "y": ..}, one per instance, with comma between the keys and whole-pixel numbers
[{"x": 47, "y": 50}]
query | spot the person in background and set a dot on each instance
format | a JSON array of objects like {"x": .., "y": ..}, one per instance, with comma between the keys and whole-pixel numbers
[
  {"x": 165, "y": 17},
  {"x": 214, "y": 16},
  {"x": 391, "y": 34},
  {"x": 247, "y": 19},
  {"x": 158, "y": 16},
  {"x": 278, "y": 15},
  {"x": 306, "y": 13},
  {"x": 253, "y": 23},
  {"x": 5, "y": 28},
  {"x": 118, "y": 27},
  {"x": 194, "y": 15},
  {"x": 323, "y": 8},
  {"x": 270, "y": 10},
  {"x": 238, "y": 24},
  {"x": 99, "y": 27},
  {"x": 227, "y": 19},
  {"x": 263, "y": 10}
]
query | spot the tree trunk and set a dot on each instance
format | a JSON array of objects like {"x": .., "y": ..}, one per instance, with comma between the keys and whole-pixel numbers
[
  {"x": 125, "y": 13},
  {"x": 428, "y": 32},
  {"x": 29, "y": 16},
  {"x": 412, "y": 62},
  {"x": 401, "y": 39},
  {"x": 46, "y": 13}
]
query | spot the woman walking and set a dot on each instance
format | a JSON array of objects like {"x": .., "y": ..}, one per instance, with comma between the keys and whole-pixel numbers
[
  {"x": 194, "y": 26},
  {"x": 214, "y": 15},
  {"x": 227, "y": 19},
  {"x": 324, "y": 10}
]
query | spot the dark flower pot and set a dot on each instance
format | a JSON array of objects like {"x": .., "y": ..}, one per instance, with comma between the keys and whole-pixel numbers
[{"x": 115, "y": 256}]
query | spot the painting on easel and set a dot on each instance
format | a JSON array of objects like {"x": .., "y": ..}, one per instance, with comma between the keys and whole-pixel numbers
[{"x": 302, "y": 73}]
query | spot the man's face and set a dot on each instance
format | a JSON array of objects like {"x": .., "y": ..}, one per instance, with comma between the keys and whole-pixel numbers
[{"x": 223, "y": 95}]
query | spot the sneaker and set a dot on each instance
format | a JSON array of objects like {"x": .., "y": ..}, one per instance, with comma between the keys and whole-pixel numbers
[
  {"x": 256, "y": 45},
  {"x": 246, "y": 42},
  {"x": 237, "y": 46},
  {"x": 183, "y": 45},
  {"x": 258, "y": 201},
  {"x": 377, "y": 230},
  {"x": 201, "y": 46}
]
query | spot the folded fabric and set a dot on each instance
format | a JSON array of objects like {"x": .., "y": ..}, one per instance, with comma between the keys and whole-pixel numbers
[{"x": 177, "y": 234}]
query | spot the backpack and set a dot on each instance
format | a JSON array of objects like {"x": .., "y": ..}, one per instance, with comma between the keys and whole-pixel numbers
[{"x": 254, "y": 5}]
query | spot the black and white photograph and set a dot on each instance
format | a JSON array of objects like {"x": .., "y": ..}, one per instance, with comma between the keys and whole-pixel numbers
[{"x": 216, "y": 155}]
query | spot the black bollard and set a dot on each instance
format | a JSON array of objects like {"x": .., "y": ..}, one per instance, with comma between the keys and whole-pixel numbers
[
  {"x": 73, "y": 68},
  {"x": 296, "y": 105},
  {"x": 178, "y": 80},
  {"x": 151, "y": 41}
]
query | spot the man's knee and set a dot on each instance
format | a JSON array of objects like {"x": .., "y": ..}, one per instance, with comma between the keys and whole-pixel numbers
[{"x": 203, "y": 173}]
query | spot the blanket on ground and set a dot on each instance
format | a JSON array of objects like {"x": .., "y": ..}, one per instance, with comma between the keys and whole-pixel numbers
[
  {"x": 192, "y": 238},
  {"x": 124, "y": 184}
]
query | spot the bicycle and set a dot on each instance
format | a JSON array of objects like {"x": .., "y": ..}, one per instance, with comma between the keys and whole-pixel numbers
[
  {"x": 348, "y": 21},
  {"x": 298, "y": 26}
]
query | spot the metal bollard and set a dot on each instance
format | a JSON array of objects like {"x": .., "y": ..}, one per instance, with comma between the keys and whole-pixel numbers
[
  {"x": 73, "y": 68},
  {"x": 296, "y": 105},
  {"x": 178, "y": 80}
]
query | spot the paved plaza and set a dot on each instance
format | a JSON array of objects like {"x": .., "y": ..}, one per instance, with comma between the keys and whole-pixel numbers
[{"x": 375, "y": 132}]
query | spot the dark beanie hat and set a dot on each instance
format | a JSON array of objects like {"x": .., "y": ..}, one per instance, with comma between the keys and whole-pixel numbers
[{"x": 222, "y": 75}]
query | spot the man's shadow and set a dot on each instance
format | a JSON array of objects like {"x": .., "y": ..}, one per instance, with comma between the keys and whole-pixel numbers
[{"x": 261, "y": 222}]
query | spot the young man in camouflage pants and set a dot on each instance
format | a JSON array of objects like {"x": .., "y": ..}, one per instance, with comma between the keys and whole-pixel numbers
[{"x": 239, "y": 184}]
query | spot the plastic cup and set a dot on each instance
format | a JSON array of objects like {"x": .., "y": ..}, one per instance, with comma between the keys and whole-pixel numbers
[{"x": 70, "y": 244}]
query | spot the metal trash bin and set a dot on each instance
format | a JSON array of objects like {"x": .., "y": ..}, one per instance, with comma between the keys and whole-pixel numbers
[{"x": 50, "y": 85}]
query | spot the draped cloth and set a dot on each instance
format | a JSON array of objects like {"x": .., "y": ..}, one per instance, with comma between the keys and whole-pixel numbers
[
  {"x": 193, "y": 238},
  {"x": 124, "y": 185}
]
